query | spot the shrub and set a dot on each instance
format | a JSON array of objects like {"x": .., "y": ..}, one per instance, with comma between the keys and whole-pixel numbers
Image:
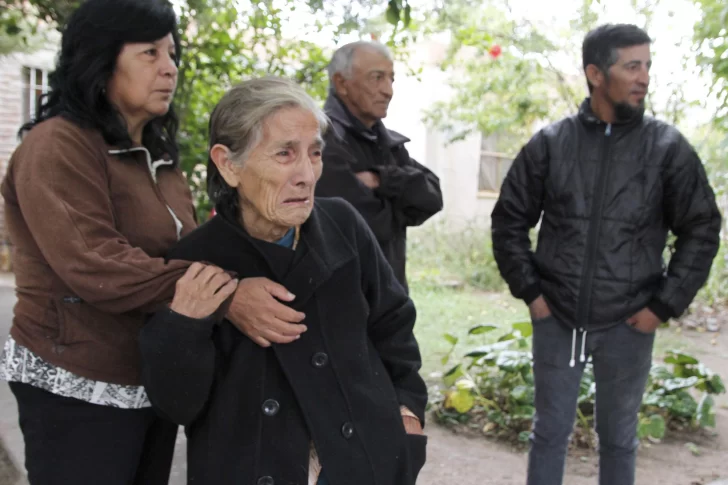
[
  {"x": 492, "y": 389},
  {"x": 437, "y": 254}
]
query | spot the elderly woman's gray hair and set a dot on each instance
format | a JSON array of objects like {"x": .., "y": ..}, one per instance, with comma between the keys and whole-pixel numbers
[
  {"x": 343, "y": 58},
  {"x": 238, "y": 120}
]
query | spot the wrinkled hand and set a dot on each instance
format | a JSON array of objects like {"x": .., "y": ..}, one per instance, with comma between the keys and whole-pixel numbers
[
  {"x": 370, "y": 179},
  {"x": 201, "y": 291},
  {"x": 539, "y": 309},
  {"x": 645, "y": 321},
  {"x": 412, "y": 425},
  {"x": 257, "y": 312}
]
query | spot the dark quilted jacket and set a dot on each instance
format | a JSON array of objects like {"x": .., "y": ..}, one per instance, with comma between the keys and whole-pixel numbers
[{"x": 608, "y": 194}]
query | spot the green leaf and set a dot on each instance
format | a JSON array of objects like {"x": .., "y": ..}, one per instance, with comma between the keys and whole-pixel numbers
[
  {"x": 682, "y": 404},
  {"x": 508, "y": 336},
  {"x": 680, "y": 383},
  {"x": 465, "y": 384},
  {"x": 445, "y": 359},
  {"x": 451, "y": 338},
  {"x": 407, "y": 15},
  {"x": 526, "y": 328},
  {"x": 660, "y": 372},
  {"x": 522, "y": 413},
  {"x": 674, "y": 357},
  {"x": 513, "y": 360},
  {"x": 716, "y": 385},
  {"x": 453, "y": 375},
  {"x": 706, "y": 412},
  {"x": 392, "y": 12},
  {"x": 524, "y": 436},
  {"x": 484, "y": 350},
  {"x": 481, "y": 329},
  {"x": 652, "y": 426},
  {"x": 523, "y": 394},
  {"x": 461, "y": 400}
]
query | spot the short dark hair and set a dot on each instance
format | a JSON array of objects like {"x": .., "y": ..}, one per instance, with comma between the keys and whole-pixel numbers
[
  {"x": 90, "y": 45},
  {"x": 601, "y": 44}
]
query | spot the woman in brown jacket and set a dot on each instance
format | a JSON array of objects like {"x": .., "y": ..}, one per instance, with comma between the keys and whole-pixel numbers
[{"x": 94, "y": 198}]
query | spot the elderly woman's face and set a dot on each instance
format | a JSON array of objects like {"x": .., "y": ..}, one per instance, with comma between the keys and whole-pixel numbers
[
  {"x": 279, "y": 177},
  {"x": 144, "y": 79}
]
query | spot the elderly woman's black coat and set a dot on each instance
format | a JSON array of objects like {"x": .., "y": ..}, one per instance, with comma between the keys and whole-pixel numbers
[{"x": 251, "y": 412}]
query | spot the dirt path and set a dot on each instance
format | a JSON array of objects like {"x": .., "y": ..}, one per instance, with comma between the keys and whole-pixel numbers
[{"x": 460, "y": 460}]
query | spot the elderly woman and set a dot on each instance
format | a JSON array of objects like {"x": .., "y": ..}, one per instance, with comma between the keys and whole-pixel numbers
[
  {"x": 345, "y": 399},
  {"x": 94, "y": 198}
]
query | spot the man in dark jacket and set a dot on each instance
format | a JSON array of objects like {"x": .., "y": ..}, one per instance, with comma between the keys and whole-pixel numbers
[
  {"x": 610, "y": 183},
  {"x": 367, "y": 164}
]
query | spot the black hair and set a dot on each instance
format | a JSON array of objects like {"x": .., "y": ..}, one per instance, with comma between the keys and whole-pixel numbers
[
  {"x": 90, "y": 45},
  {"x": 601, "y": 44}
]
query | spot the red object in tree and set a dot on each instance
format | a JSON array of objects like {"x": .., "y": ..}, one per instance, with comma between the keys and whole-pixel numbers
[
  {"x": 494, "y": 51},
  {"x": 212, "y": 213}
]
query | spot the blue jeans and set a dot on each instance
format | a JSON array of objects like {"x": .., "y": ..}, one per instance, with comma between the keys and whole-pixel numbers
[{"x": 622, "y": 357}]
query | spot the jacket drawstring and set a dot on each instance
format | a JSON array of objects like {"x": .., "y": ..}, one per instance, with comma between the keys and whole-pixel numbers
[
  {"x": 573, "y": 348},
  {"x": 582, "y": 356}
]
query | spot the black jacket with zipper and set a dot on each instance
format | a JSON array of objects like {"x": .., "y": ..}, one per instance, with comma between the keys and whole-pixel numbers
[
  {"x": 608, "y": 194},
  {"x": 250, "y": 412},
  {"x": 408, "y": 194}
]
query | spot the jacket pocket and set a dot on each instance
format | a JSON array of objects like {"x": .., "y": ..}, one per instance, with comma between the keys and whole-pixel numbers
[
  {"x": 552, "y": 342},
  {"x": 68, "y": 313},
  {"x": 639, "y": 332},
  {"x": 417, "y": 448}
]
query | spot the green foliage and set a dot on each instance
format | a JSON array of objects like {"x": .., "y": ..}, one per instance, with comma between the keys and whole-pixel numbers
[
  {"x": 16, "y": 34},
  {"x": 225, "y": 42},
  {"x": 711, "y": 38},
  {"x": 505, "y": 95},
  {"x": 222, "y": 45},
  {"x": 23, "y": 23},
  {"x": 492, "y": 389},
  {"x": 437, "y": 254}
]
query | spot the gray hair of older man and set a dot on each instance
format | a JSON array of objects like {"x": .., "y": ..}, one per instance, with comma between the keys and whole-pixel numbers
[
  {"x": 343, "y": 58},
  {"x": 238, "y": 120}
]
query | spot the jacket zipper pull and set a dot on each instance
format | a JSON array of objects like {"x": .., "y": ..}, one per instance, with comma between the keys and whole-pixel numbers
[{"x": 608, "y": 131}]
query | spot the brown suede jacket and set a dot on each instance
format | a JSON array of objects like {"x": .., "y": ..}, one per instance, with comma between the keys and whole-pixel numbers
[{"x": 90, "y": 226}]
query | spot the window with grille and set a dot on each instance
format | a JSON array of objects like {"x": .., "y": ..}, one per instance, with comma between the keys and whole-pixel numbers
[
  {"x": 35, "y": 84},
  {"x": 493, "y": 169}
]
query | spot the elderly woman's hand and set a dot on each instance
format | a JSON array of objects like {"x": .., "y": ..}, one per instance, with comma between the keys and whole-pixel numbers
[
  {"x": 201, "y": 291},
  {"x": 257, "y": 312}
]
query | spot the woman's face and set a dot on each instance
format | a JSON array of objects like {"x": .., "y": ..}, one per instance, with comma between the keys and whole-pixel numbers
[
  {"x": 144, "y": 79},
  {"x": 277, "y": 181}
]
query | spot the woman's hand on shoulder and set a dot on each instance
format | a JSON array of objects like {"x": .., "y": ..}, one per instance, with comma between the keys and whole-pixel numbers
[{"x": 201, "y": 291}]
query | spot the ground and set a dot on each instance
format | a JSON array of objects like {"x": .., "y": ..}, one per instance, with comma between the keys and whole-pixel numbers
[
  {"x": 465, "y": 460},
  {"x": 461, "y": 460}
]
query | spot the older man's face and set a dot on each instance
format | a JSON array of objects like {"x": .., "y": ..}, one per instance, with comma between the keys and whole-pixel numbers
[
  {"x": 277, "y": 180},
  {"x": 369, "y": 90}
]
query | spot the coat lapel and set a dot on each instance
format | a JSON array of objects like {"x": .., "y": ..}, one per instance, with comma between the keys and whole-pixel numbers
[{"x": 328, "y": 250}]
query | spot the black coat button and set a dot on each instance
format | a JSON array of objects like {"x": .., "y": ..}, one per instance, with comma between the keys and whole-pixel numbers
[
  {"x": 319, "y": 360},
  {"x": 271, "y": 408},
  {"x": 266, "y": 481},
  {"x": 347, "y": 430}
]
